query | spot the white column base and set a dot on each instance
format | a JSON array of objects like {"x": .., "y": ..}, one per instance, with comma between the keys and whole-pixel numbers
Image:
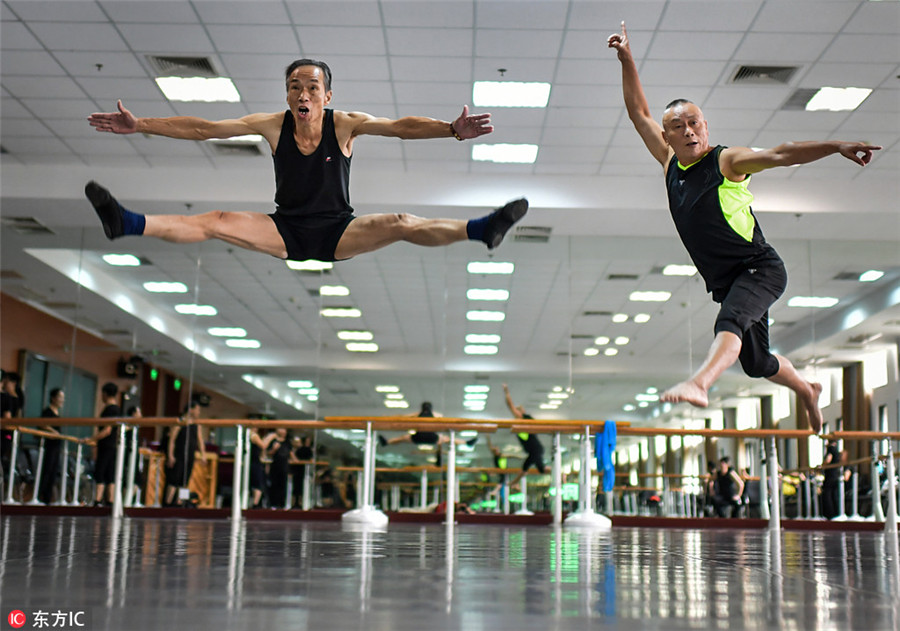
[
  {"x": 365, "y": 515},
  {"x": 588, "y": 519}
]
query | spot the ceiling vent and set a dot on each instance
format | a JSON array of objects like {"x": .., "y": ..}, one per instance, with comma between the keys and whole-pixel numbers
[
  {"x": 235, "y": 149},
  {"x": 847, "y": 276},
  {"x": 532, "y": 234},
  {"x": 25, "y": 225},
  {"x": 166, "y": 66},
  {"x": 799, "y": 99},
  {"x": 582, "y": 336},
  {"x": 622, "y": 277},
  {"x": 597, "y": 313},
  {"x": 764, "y": 75}
]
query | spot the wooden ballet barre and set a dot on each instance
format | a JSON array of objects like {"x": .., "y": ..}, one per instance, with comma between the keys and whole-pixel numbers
[
  {"x": 723, "y": 433},
  {"x": 45, "y": 434},
  {"x": 863, "y": 435}
]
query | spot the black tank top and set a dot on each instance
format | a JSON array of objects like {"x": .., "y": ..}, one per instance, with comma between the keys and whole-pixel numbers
[{"x": 317, "y": 183}]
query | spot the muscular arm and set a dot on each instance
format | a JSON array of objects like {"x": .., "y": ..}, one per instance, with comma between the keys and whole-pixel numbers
[
  {"x": 647, "y": 128},
  {"x": 737, "y": 162},
  {"x": 509, "y": 402},
  {"x": 349, "y": 125}
]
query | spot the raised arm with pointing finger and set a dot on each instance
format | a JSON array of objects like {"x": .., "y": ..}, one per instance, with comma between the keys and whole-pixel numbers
[{"x": 710, "y": 203}]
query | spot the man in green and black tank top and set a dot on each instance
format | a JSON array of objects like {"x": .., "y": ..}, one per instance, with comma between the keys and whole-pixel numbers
[
  {"x": 710, "y": 204},
  {"x": 312, "y": 147}
]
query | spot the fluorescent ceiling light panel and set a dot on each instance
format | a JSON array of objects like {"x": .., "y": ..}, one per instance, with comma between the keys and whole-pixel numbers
[
  {"x": 475, "y": 396},
  {"x": 480, "y": 349},
  {"x": 340, "y": 312},
  {"x": 646, "y": 397},
  {"x": 207, "y": 90},
  {"x": 242, "y": 343},
  {"x": 356, "y": 336},
  {"x": 362, "y": 347},
  {"x": 482, "y": 338},
  {"x": 334, "y": 290},
  {"x": 308, "y": 391},
  {"x": 396, "y": 404},
  {"x": 227, "y": 331},
  {"x": 309, "y": 266},
  {"x": 628, "y": 407},
  {"x": 387, "y": 389},
  {"x": 837, "y": 99},
  {"x": 300, "y": 383},
  {"x": 620, "y": 317},
  {"x": 591, "y": 352},
  {"x": 641, "y": 318},
  {"x": 485, "y": 316},
  {"x": 609, "y": 352},
  {"x": 818, "y": 302},
  {"x": 394, "y": 396},
  {"x": 490, "y": 267},
  {"x": 199, "y": 310},
  {"x": 649, "y": 296},
  {"x": 165, "y": 287},
  {"x": 510, "y": 94},
  {"x": 505, "y": 153},
  {"x": 487, "y": 294},
  {"x": 622, "y": 340},
  {"x": 601, "y": 341},
  {"x": 679, "y": 270},
  {"x": 548, "y": 406},
  {"x": 476, "y": 388},
  {"x": 870, "y": 276},
  {"x": 122, "y": 260}
]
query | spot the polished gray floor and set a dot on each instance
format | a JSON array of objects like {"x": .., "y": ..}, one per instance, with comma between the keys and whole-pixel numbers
[{"x": 139, "y": 574}]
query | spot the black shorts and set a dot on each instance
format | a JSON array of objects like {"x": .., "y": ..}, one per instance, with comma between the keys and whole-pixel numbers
[
  {"x": 180, "y": 474},
  {"x": 311, "y": 236},
  {"x": 425, "y": 438},
  {"x": 535, "y": 458},
  {"x": 105, "y": 466},
  {"x": 745, "y": 312}
]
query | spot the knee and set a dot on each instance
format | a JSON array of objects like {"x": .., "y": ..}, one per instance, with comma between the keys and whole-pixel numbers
[
  {"x": 402, "y": 223},
  {"x": 213, "y": 223},
  {"x": 759, "y": 366}
]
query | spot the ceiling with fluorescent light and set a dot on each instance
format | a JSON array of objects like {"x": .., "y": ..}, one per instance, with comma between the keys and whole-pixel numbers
[{"x": 598, "y": 228}]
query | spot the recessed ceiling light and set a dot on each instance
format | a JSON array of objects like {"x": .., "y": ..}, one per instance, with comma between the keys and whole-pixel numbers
[
  {"x": 620, "y": 317},
  {"x": 242, "y": 343},
  {"x": 475, "y": 396},
  {"x": 208, "y": 90},
  {"x": 510, "y": 94},
  {"x": 308, "y": 391},
  {"x": 480, "y": 349},
  {"x": 646, "y": 397},
  {"x": 482, "y": 338},
  {"x": 643, "y": 404},
  {"x": 548, "y": 406},
  {"x": 362, "y": 347},
  {"x": 871, "y": 275},
  {"x": 485, "y": 316},
  {"x": 396, "y": 404},
  {"x": 591, "y": 352},
  {"x": 487, "y": 294},
  {"x": 227, "y": 331},
  {"x": 641, "y": 318},
  {"x": 557, "y": 395},
  {"x": 652, "y": 390},
  {"x": 310, "y": 265},
  {"x": 622, "y": 340},
  {"x": 387, "y": 389},
  {"x": 122, "y": 260},
  {"x": 679, "y": 270},
  {"x": 340, "y": 312},
  {"x": 601, "y": 341},
  {"x": 609, "y": 352},
  {"x": 649, "y": 296},
  {"x": 490, "y": 267},
  {"x": 628, "y": 407},
  {"x": 334, "y": 290},
  {"x": 818, "y": 302},
  {"x": 165, "y": 287},
  {"x": 394, "y": 396},
  {"x": 300, "y": 383},
  {"x": 837, "y": 99},
  {"x": 198, "y": 310},
  {"x": 476, "y": 388},
  {"x": 356, "y": 336},
  {"x": 505, "y": 153}
]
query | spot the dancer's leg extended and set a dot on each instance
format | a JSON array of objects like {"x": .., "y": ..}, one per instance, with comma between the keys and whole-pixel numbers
[
  {"x": 722, "y": 354},
  {"x": 807, "y": 391}
]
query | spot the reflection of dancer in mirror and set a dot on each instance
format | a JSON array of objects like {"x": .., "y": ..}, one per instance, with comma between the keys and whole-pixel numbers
[
  {"x": 425, "y": 438},
  {"x": 529, "y": 442},
  {"x": 311, "y": 146},
  {"x": 710, "y": 204}
]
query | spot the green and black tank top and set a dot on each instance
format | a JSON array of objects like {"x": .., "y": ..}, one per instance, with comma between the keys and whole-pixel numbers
[{"x": 714, "y": 220}]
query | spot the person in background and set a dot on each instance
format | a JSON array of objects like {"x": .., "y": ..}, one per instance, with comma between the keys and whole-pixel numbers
[
  {"x": 279, "y": 451},
  {"x": 258, "y": 446},
  {"x": 729, "y": 489},
  {"x": 11, "y": 403},
  {"x": 104, "y": 438},
  {"x": 302, "y": 454},
  {"x": 184, "y": 441},
  {"x": 52, "y": 446}
]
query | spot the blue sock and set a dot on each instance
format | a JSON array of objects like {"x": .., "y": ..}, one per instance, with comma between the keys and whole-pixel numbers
[
  {"x": 132, "y": 223},
  {"x": 475, "y": 228}
]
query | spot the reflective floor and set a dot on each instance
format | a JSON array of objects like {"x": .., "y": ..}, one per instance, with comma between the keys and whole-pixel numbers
[{"x": 177, "y": 574}]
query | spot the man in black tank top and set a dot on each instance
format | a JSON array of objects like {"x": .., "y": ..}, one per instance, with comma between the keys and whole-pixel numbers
[
  {"x": 710, "y": 204},
  {"x": 311, "y": 147}
]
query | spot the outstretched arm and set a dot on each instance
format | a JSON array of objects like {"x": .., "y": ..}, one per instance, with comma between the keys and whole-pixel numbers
[
  {"x": 187, "y": 127},
  {"x": 465, "y": 127},
  {"x": 739, "y": 161},
  {"x": 649, "y": 130},
  {"x": 509, "y": 403}
]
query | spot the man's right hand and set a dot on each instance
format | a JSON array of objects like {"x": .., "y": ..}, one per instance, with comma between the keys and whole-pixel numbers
[
  {"x": 121, "y": 122},
  {"x": 619, "y": 41}
]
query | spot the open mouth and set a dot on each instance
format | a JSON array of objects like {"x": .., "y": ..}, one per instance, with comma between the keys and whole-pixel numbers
[{"x": 303, "y": 111}]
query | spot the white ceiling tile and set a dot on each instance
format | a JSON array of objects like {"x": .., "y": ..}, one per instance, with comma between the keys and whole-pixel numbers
[
  {"x": 242, "y": 13},
  {"x": 874, "y": 17},
  {"x": 762, "y": 47},
  {"x": 210, "y": 111},
  {"x": 883, "y": 100},
  {"x": 24, "y": 127},
  {"x": 77, "y": 36},
  {"x": 677, "y": 45},
  {"x": 157, "y": 108},
  {"x": 48, "y": 159},
  {"x": 428, "y": 14},
  {"x": 108, "y": 90},
  {"x": 366, "y": 67},
  {"x": 874, "y": 123},
  {"x": 15, "y": 36},
  {"x": 803, "y": 121},
  {"x": 345, "y": 13},
  {"x": 72, "y": 127},
  {"x": 528, "y": 15},
  {"x": 487, "y": 69},
  {"x": 29, "y": 62},
  {"x": 84, "y": 64},
  {"x": 428, "y": 92},
  {"x": 576, "y": 136},
  {"x": 603, "y": 18},
  {"x": 25, "y": 87},
  {"x": 503, "y": 117},
  {"x": 167, "y": 39},
  {"x": 58, "y": 11},
  {"x": 590, "y": 45},
  {"x": 864, "y": 49},
  {"x": 325, "y": 41},
  {"x": 803, "y": 17},
  {"x": 589, "y": 71},
  {"x": 598, "y": 96},
  {"x": 429, "y": 68},
  {"x": 702, "y": 73},
  {"x": 737, "y": 97},
  {"x": 12, "y": 108},
  {"x": 101, "y": 144},
  {"x": 353, "y": 92},
  {"x": 265, "y": 89},
  {"x": 35, "y": 145},
  {"x": 256, "y": 39},
  {"x": 452, "y": 42},
  {"x": 701, "y": 17},
  {"x": 250, "y": 66},
  {"x": 155, "y": 11},
  {"x": 58, "y": 108},
  {"x": 846, "y": 75},
  {"x": 514, "y": 44}
]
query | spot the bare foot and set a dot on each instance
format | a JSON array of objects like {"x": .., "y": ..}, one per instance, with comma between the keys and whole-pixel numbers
[
  {"x": 686, "y": 391},
  {"x": 812, "y": 408}
]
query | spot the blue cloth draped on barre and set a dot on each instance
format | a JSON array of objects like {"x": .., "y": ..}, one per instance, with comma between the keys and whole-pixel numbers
[{"x": 604, "y": 447}]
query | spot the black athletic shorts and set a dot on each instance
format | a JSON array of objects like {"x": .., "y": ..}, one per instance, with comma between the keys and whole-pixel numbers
[
  {"x": 313, "y": 235},
  {"x": 425, "y": 438},
  {"x": 536, "y": 459},
  {"x": 105, "y": 466},
  {"x": 745, "y": 312}
]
